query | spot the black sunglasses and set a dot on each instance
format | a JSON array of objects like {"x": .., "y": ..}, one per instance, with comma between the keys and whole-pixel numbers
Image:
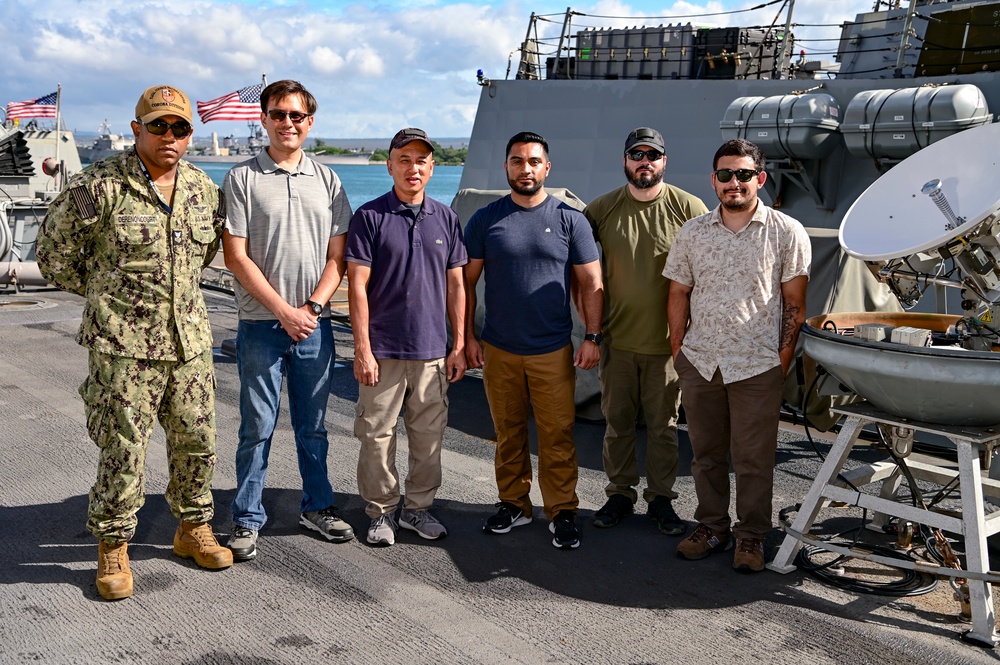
[
  {"x": 743, "y": 175},
  {"x": 637, "y": 155},
  {"x": 294, "y": 116},
  {"x": 159, "y": 127}
]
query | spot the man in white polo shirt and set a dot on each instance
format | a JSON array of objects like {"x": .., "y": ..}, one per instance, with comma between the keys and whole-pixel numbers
[{"x": 284, "y": 241}]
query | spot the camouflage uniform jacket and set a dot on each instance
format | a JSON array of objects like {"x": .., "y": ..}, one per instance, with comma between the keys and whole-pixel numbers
[{"x": 108, "y": 237}]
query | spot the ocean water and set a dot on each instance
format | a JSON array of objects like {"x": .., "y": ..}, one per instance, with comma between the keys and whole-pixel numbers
[{"x": 366, "y": 182}]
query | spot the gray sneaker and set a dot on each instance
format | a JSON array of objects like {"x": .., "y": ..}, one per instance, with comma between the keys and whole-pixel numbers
[
  {"x": 382, "y": 531},
  {"x": 328, "y": 523},
  {"x": 243, "y": 543},
  {"x": 426, "y": 525}
]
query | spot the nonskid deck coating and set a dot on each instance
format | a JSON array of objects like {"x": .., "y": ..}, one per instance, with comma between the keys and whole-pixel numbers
[{"x": 622, "y": 597}]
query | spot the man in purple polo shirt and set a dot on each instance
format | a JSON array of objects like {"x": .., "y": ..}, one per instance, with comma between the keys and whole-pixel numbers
[{"x": 404, "y": 255}]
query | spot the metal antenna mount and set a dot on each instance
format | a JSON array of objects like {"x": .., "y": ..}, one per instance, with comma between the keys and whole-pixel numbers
[{"x": 932, "y": 188}]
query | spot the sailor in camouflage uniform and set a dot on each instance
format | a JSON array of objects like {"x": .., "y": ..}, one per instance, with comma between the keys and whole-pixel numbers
[{"x": 132, "y": 234}]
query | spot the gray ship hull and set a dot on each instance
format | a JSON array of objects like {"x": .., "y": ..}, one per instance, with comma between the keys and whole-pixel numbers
[
  {"x": 585, "y": 123},
  {"x": 217, "y": 159},
  {"x": 92, "y": 155}
]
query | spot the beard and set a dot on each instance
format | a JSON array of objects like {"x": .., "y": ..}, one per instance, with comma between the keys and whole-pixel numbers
[
  {"x": 643, "y": 179},
  {"x": 744, "y": 203},
  {"x": 525, "y": 191}
]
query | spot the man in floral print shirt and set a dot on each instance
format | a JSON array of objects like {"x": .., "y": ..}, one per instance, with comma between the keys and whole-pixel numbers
[{"x": 737, "y": 300}]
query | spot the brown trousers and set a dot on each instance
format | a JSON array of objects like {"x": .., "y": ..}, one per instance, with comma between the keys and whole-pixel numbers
[
  {"x": 546, "y": 382},
  {"x": 738, "y": 420}
]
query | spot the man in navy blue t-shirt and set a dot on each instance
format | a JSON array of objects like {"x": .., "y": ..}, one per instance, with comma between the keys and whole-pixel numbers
[{"x": 529, "y": 244}]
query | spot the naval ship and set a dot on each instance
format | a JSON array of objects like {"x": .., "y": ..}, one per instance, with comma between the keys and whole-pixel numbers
[
  {"x": 231, "y": 150},
  {"x": 903, "y": 76},
  {"x": 35, "y": 164},
  {"x": 106, "y": 144}
]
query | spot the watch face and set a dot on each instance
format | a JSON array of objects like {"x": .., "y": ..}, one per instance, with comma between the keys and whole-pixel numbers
[{"x": 316, "y": 308}]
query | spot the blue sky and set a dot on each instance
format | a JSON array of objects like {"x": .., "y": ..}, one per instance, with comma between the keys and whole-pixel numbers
[{"x": 374, "y": 67}]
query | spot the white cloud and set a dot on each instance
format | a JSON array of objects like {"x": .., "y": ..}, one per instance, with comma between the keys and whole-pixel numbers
[
  {"x": 325, "y": 60},
  {"x": 373, "y": 67},
  {"x": 366, "y": 62}
]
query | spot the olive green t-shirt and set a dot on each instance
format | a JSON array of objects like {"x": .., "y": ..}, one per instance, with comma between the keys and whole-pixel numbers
[{"x": 635, "y": 237}]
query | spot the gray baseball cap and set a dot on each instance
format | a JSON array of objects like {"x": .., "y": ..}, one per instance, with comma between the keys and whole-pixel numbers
[{"x": 644, "y": 136}]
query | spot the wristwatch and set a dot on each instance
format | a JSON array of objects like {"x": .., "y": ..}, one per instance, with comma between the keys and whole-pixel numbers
[
  {"x": 315, "y": 307},
  {"x": 596, "y": 338}
]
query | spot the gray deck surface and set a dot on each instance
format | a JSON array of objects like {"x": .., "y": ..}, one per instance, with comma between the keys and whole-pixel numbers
[{"x": 622, "y": 597}]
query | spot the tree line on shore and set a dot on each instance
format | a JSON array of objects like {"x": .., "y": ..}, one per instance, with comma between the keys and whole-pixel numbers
[{"x": 442, "y": 156}]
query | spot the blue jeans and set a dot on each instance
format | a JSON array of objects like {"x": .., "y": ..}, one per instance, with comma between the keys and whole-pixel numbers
[{"x": 265, "y": 353}]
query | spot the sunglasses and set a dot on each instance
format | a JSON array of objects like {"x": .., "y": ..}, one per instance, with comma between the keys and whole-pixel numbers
[
  {"x": 294, "y": 116},
  {"x": 159, "y": 127},
  {"x": 637, "y": 155},
  {"x": 743, "y": 175}
]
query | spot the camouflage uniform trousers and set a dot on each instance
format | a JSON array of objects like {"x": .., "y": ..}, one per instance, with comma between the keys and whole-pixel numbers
[{"x": 122, "y": 396}]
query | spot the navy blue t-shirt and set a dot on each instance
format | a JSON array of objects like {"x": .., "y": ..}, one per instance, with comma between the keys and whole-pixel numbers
[
  {"x": 528, "y": 254},
  {"x": 409, "y": 257}
]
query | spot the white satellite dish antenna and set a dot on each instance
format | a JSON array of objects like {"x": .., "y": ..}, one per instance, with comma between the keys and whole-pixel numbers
[{"x": 905, "y": 211}]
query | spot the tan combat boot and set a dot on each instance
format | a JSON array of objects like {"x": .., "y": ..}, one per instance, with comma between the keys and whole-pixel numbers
[
  {"x": 198, "y": 541},
  {"x": 114, "y": 579}
]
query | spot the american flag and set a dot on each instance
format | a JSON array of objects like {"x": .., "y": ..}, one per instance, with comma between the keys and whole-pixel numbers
[
  {"x": 42, "y": 107},
  {"x": 244, "y": 104}
]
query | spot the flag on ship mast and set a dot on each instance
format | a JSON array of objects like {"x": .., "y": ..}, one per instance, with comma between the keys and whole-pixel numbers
[
  {"x": 244, "y": 104},
  {"x": 40, "y": 107}
]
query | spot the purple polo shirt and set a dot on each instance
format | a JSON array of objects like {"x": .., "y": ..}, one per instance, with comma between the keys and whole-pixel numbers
[{"x": 408, "y": 288}]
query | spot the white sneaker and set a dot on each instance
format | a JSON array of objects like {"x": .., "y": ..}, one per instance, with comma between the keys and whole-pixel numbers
[
  {"x": 426, "y": 525},
  {"x": 382, "y": 531}
]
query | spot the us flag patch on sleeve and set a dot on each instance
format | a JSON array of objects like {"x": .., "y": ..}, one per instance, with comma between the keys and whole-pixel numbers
[
  {"x": 220, "y": 211},
  {"x": 83, "y": 199}
]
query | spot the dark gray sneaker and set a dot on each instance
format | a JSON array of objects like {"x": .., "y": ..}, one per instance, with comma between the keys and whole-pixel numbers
[
  {"x": 423, "y": 523},
  {"x": 328, "y": 523},
  {"x": 662, "y": 512},
  {"x": 617, "y": 508},
  {"x": 243, "y": 543}
]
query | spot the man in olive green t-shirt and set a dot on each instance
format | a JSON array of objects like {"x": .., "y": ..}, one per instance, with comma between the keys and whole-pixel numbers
[{"x": 635, "y": 225}]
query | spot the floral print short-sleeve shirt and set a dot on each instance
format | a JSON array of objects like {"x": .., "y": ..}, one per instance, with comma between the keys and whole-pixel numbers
[{"x": 735, "y": 280}]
